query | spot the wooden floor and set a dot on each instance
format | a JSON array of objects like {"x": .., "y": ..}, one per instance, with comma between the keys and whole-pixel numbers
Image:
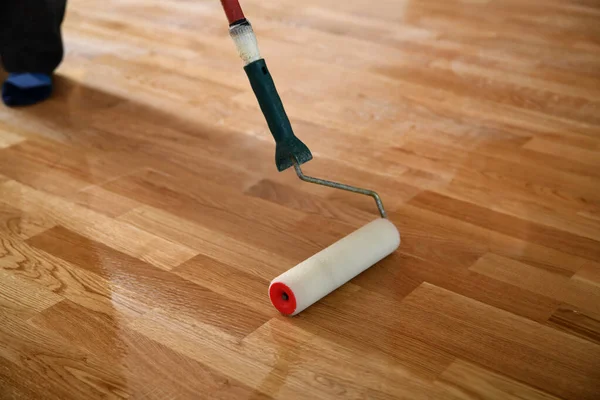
[{"x": 142, "y": 216}]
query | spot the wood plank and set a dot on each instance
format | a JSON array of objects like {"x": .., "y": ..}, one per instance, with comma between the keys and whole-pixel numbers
[
  {"x": 266, "y": 225},
  {"x": 585, "y": 156},
  {"x": 149, "y": 285},
  {"x": 232, "y": 282},
  {"x": 22, "y": 298},
  {"x": 477, "y": 286},
  {"x": 177, "y": 191},
  {"x": 539, "y": 256},
  {"x": 529, "y": 207},
  {"x": 162, "y": 372},
  {"x": 505, "y": 343},
  {"x": 375, "y": 375},
  {"x": 589, "y": 273},
  {"x": 336, "y": 317},
  {"x": 467, "y": 381},
  {"x": 565, "y": 186},
  {"x": 23, "y": 225},
  {"x": 210, "y": 242},
  {"x": 87, "y": 167},
  {"x": 511, "y": 149},
  {"x": 65, "y": 368},
  {"x": 64, "y": 279},
  {"x": 17, "y": 383},
  {"x": 517, "y": 227},
  {"x": 100, "y": 200},
  {"x": 133, "y": 241},
  {"x": 569, "y": 290},
  {"x": 577, "y": 322},
  {"x": 486, "y": 88},
  {"x": 198, "y": 342},
  {"x": 307, "y": 366},
  {"x": 37, "y": 176},
  {"x": 142, "y": 215},
  {"x": 296, "y": 199},
  {"x": 473, "y": 240}
]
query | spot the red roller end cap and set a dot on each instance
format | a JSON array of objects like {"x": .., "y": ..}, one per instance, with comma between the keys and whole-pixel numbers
[
  {"x": 282, "y": 298},
  {"x": 233, "y": 10}
]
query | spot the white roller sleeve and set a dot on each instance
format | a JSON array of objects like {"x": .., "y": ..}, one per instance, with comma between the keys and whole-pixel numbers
[{"x": 311, "y": 280}]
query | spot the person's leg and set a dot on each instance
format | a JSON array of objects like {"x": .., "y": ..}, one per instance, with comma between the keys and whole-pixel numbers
[
  {"x": 3, "y": 12},
  {"x": 31, "y": 48}
]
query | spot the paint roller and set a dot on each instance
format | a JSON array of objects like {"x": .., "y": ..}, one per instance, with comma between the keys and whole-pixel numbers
[{"x": 308, "y": 282}]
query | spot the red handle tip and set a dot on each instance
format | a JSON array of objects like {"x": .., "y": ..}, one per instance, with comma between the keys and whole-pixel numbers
[{"x": 233, "y": 10}]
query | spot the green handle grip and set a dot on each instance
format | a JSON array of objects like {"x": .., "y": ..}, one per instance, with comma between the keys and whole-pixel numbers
[{"x": 288, "y": 146}]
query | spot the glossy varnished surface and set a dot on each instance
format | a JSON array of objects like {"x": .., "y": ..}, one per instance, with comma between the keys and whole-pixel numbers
[{"x": 142, "y": 216}]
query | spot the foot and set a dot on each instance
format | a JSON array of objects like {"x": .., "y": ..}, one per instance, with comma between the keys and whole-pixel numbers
[{"x": 24, "y": 89}]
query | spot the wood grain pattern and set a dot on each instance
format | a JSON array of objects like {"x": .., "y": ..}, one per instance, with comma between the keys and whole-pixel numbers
[
  {"x": 65, "y": 279},
  {"x": 13, "y": 221},
  {"x": 63, "y": 366},
  {"x": 164, "y": 373},
  {"x": 467, "y": 381},
  {"x": 124, "y": 237},
  {"x": 142, "y": 216},
  {"x": 19, "y": 297},
  {"x": 149, "y": 285},
  {"x": 480, "y": 333},
  {"x": 573, "y": 320},
  {"x": 572, "y": 290},
  {"x": 98, "y": 199}
]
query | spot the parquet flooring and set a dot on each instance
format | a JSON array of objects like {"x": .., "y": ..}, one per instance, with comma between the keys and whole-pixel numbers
[{"x": 142, "y": 216}]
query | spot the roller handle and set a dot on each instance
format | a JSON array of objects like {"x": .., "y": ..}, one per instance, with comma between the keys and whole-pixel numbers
[
  {"x": 233, "y": 11},
  {"x": 288, "y": 146}
]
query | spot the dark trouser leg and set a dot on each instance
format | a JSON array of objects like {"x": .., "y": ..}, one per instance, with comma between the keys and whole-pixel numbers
[{"x": 31, "y": 35}]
